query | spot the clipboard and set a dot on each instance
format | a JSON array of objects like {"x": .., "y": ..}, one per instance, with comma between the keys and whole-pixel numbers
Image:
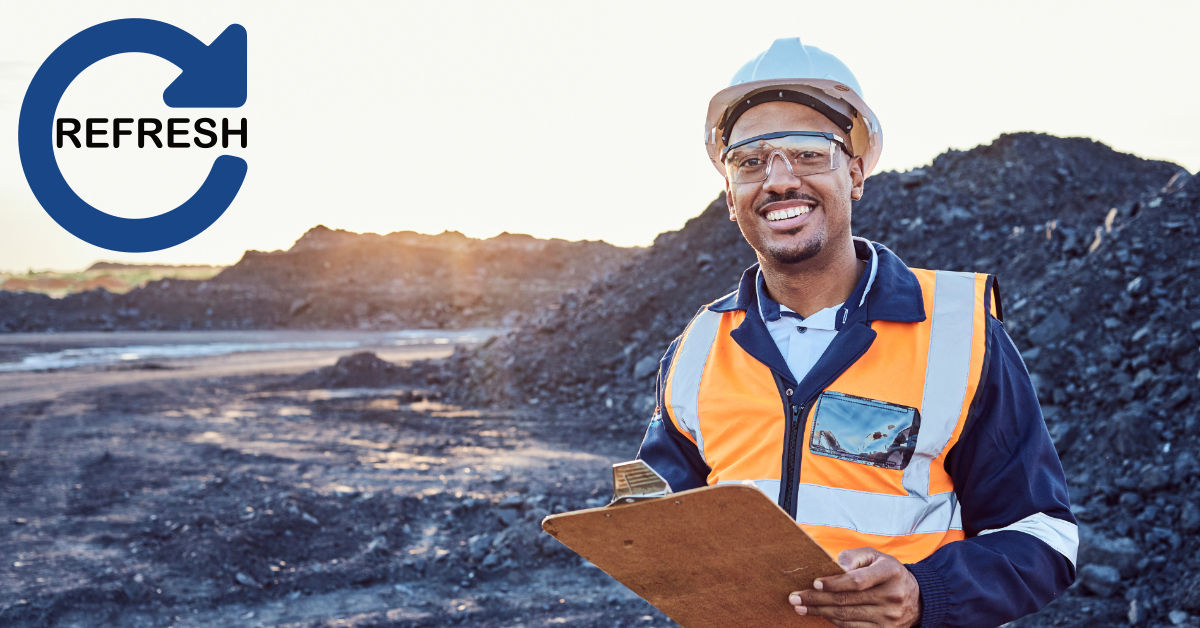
[{"x": 716, "y": 556}]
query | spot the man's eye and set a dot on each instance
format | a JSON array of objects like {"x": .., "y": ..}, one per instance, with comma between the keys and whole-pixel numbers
[{"x": 750, "y": 162}]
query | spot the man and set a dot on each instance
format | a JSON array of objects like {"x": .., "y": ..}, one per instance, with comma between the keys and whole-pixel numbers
[{"x": 885, "y": 407}]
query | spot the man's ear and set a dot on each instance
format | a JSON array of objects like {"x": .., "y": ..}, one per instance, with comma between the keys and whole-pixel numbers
[
  {"x": 856, "y": 178},
  {"x": 729, "y": 201}
]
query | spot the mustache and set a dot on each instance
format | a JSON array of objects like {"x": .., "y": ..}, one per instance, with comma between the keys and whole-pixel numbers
[{"x": 790, "y": 195}]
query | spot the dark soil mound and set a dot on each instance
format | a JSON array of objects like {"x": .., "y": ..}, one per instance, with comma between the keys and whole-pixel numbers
[
  {"x": 1111, "y": 341},
  {"x": 359, "y": 370},
  {"x": 342, "y": 280}
]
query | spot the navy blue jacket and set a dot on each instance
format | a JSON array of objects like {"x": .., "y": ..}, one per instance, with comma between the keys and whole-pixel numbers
[{"x": 1004, "y": 465}]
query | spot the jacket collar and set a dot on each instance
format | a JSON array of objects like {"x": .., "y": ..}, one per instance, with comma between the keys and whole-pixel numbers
[{"x": 893, "y": 294}]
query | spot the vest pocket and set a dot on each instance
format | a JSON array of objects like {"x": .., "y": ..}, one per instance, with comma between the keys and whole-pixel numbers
[{"x": 864, "y": 431}]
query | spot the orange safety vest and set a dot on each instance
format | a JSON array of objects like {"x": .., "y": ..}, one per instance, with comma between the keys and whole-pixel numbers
[{"x": 867, "y": 468}]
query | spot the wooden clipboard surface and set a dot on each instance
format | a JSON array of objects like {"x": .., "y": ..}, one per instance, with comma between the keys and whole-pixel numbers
[{"x": 716, "y": 556}]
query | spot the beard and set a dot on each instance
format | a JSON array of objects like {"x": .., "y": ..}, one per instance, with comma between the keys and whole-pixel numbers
[{"x": 798, "y": 253}]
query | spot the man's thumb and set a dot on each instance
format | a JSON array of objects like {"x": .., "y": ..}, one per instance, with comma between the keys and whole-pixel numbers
[{"x": 857, "y": 558}]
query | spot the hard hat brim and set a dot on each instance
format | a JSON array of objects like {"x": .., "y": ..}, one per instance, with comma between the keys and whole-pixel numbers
[{"x": 867, "y": 142}]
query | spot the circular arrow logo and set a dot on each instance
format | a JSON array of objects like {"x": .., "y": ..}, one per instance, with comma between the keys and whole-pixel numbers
[{"x": 213, "y": 76}]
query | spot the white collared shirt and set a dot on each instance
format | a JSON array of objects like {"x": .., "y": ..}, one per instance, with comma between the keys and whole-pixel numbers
[{"x": 802, "y": 342}]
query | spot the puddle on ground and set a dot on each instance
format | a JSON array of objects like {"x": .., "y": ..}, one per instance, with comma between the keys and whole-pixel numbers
[{"x": 125, "y": 354}]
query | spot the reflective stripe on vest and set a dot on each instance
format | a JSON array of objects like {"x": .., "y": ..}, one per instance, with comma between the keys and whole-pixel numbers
[
  {"x": 926, "y": 516},
  {"x": 946, "y": 373},
  {"x": 726, "y": 402},
  {"x": 683, "y": 382}
]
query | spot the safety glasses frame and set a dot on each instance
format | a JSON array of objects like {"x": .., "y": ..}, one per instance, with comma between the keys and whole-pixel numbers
[
  {"x": 778, "y": 134},
  {"x": 833, "y": 139}
]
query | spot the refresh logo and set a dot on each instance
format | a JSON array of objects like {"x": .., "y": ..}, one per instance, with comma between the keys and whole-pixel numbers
[{"x": 213, "y": 76}]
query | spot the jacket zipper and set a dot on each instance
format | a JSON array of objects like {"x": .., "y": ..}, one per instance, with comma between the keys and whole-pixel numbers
[
  {"x": 791, "y": 474},
  {"x": 797, "y": 422}
]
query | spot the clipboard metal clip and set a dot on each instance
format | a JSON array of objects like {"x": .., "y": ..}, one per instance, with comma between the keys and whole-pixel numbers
[{"x": 635, "y": 481}]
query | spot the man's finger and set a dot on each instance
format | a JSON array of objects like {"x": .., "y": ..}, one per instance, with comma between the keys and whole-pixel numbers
[
  {"x": 852, "y": 623},
  {"x": 858, "y": 580},
  {"x": 829, "y": 598},
  {"x": 840, "y": 614}
]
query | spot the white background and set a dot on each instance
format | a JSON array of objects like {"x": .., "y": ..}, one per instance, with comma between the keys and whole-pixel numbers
[{"x": 563, "y": 119}]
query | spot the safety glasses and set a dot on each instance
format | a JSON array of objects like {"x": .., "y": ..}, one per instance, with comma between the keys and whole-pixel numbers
[{"x": 803, "y": 153}]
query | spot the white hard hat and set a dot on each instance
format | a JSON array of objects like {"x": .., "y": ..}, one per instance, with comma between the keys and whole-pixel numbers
[{"x": 792, "y": 72}]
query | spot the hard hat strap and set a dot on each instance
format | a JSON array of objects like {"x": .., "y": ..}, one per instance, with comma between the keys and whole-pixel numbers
[{"x": 777, "y": 95}]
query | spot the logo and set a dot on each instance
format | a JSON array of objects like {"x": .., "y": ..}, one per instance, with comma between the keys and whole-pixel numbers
[{"x": 213, "y": 76}]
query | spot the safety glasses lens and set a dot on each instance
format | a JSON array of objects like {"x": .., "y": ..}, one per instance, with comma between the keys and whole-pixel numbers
[{"x": 804, "y": 155}]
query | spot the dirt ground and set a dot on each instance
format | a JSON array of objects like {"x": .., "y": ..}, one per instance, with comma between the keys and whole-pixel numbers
[
  {"x": 192, "y": 500},
  {"x": 227, "y": 491}
]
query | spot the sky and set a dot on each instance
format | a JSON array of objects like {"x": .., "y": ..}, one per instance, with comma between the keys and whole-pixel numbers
[{"x": 560, "y": 119}]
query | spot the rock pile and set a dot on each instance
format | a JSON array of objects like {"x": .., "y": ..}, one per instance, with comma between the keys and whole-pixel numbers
[
  {"x": 1095, "y": 253},
  {"x": 1111, "y": 342},
  {"x": 341, "y": 280},
  {"x": 359, "y": 370}
]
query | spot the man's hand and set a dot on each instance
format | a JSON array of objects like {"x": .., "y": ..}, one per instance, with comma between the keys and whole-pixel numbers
[{"x": 876, "y": 590}]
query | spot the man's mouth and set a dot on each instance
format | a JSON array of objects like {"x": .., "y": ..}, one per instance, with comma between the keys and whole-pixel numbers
[{"x": 787, "y": 212}]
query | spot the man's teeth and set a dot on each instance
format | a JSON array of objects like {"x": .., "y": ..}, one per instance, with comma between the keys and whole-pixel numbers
[{"x": 791, "y": 212}]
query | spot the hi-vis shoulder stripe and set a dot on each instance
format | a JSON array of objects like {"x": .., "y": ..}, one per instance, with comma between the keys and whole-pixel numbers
[
  {"x": 946, "y": 373},
  {"x": 688, "y": 368},
  {"x": 1063, "y": 536}
]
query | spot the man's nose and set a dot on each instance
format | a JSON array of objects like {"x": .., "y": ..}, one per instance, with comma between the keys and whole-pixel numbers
[{"x": 780, "y": 178}]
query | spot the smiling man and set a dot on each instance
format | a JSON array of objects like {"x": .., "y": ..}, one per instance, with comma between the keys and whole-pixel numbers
[{"x": 884, "y": 407}]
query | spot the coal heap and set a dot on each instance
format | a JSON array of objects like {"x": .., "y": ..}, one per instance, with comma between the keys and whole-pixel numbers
[
  {"x": 1095, "y": 253},
  {"x": 1111, "y": 342},
  {"x": 359, "y": 370},
  {"x": 333, "y": 279}
]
